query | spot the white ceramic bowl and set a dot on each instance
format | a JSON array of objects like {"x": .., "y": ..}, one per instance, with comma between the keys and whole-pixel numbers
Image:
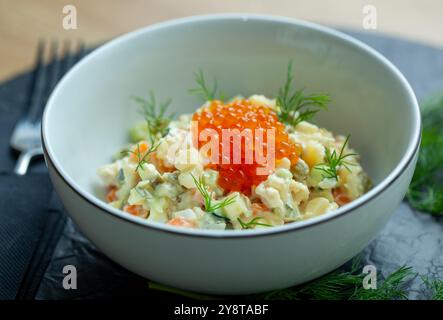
[{"x": 88, "y": 115}]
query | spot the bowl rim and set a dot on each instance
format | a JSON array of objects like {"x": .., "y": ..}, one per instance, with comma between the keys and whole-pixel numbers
[{"x": 400, "y": 168}]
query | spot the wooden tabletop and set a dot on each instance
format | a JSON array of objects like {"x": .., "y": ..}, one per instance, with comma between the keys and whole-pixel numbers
[{"x": 23, "y": 22}]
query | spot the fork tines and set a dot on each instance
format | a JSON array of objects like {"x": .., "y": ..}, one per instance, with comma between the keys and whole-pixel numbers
[{"x": 52, "y": 62}]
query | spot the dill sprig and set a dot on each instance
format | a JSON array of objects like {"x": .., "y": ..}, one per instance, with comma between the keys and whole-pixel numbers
[
  {"x": 209, "y": 205},
  {"x": 438, "y": 290},
  {"x": 202, "y": 90},
  {"x": 391, "y": 288},
  {"x": 155, "y": 115},
  {"x": 436, "y": 287},
  {"x": 140, "y": 157},
  {"x": 294, "y": 105},
  {"x": 347, "y": 285},
  {"x": 254, "y": 222},
  {"x": 334, "y": 161},
  {"x": 337, "y": 285},
  {"x": 426, "y": 189}
]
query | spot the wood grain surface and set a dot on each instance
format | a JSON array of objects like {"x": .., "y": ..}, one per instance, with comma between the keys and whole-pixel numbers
[{"x": 23, "y": 22}]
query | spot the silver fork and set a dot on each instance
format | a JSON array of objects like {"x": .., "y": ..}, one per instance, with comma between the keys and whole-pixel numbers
[{"x": 26, "y": 138}]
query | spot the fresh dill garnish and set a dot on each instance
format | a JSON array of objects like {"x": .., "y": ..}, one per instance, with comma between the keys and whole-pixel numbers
[
  {"x": 203, "y": 91},
  {"x": 220, "y": 216},
  {"x": 432, "y": 112},
  {"x": 254, "y": 222},
  {"x": 391, "y": 288},
  {"x": 333, "y": 161},
  {"x": 155, "y": 115},
  {"x": 140, "y": 157},
  {"x": 426, "y": 189},
  {"x": 294, "y": 105},
  {"x": 347, "y": 285},
  {"x": 337, "y": 285},
  {"x": 436, "y": 286},
  {"x": 438, "y": 290},
  {"x": 208, "y": 198}
]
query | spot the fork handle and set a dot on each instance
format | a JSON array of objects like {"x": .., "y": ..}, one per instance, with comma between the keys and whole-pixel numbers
[{"x": 23, "y": 161}]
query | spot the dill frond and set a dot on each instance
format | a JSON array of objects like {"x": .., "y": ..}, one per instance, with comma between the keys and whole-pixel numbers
[
  {"x": 250, "y": 224},
  {"x": 140, "y": 157},
  {"x": 347, "y": 285},
  {"x": 437, "y": 288},
  {"x": 155, "y": 115},
  {"x": 202, "y": 90},
  {"x": 334, "y": 161},
  {"x": 392, "y": 288},
  {"x": 294, "y": 105},
  {"x": 208, "y": 197},
  {"x": 425, "y": 192},
  {"x": 337, "y": 285}
]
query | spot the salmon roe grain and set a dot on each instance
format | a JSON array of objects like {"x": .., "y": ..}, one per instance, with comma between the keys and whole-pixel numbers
[{"x": 242, "y": 114}]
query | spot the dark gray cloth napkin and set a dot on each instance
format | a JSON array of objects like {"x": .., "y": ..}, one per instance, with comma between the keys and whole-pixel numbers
[{"x": 30, "y": 226}]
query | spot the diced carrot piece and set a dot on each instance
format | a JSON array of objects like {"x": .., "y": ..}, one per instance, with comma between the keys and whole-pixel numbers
[
  {"x": 136, "y": 210},
  {"x": 143, "y": 147},
  {"x": 259, "y": 207},
  {"x": 160, "y": 165},
  {"x": 340, "y": 196},
  {"x": 181, "y": 222},
  {"x": 139, "y": 151},
  {"x": 112, "y": 194}
]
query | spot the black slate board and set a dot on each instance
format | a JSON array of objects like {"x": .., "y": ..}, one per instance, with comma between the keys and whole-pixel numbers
[{"x": 410, "y": 238}]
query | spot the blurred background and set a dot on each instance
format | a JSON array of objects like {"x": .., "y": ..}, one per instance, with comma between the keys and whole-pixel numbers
[{"x": 23, "y": 22}]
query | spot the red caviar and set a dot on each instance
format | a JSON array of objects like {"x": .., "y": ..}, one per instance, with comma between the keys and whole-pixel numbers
[{"x": 244, "y": 114}]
